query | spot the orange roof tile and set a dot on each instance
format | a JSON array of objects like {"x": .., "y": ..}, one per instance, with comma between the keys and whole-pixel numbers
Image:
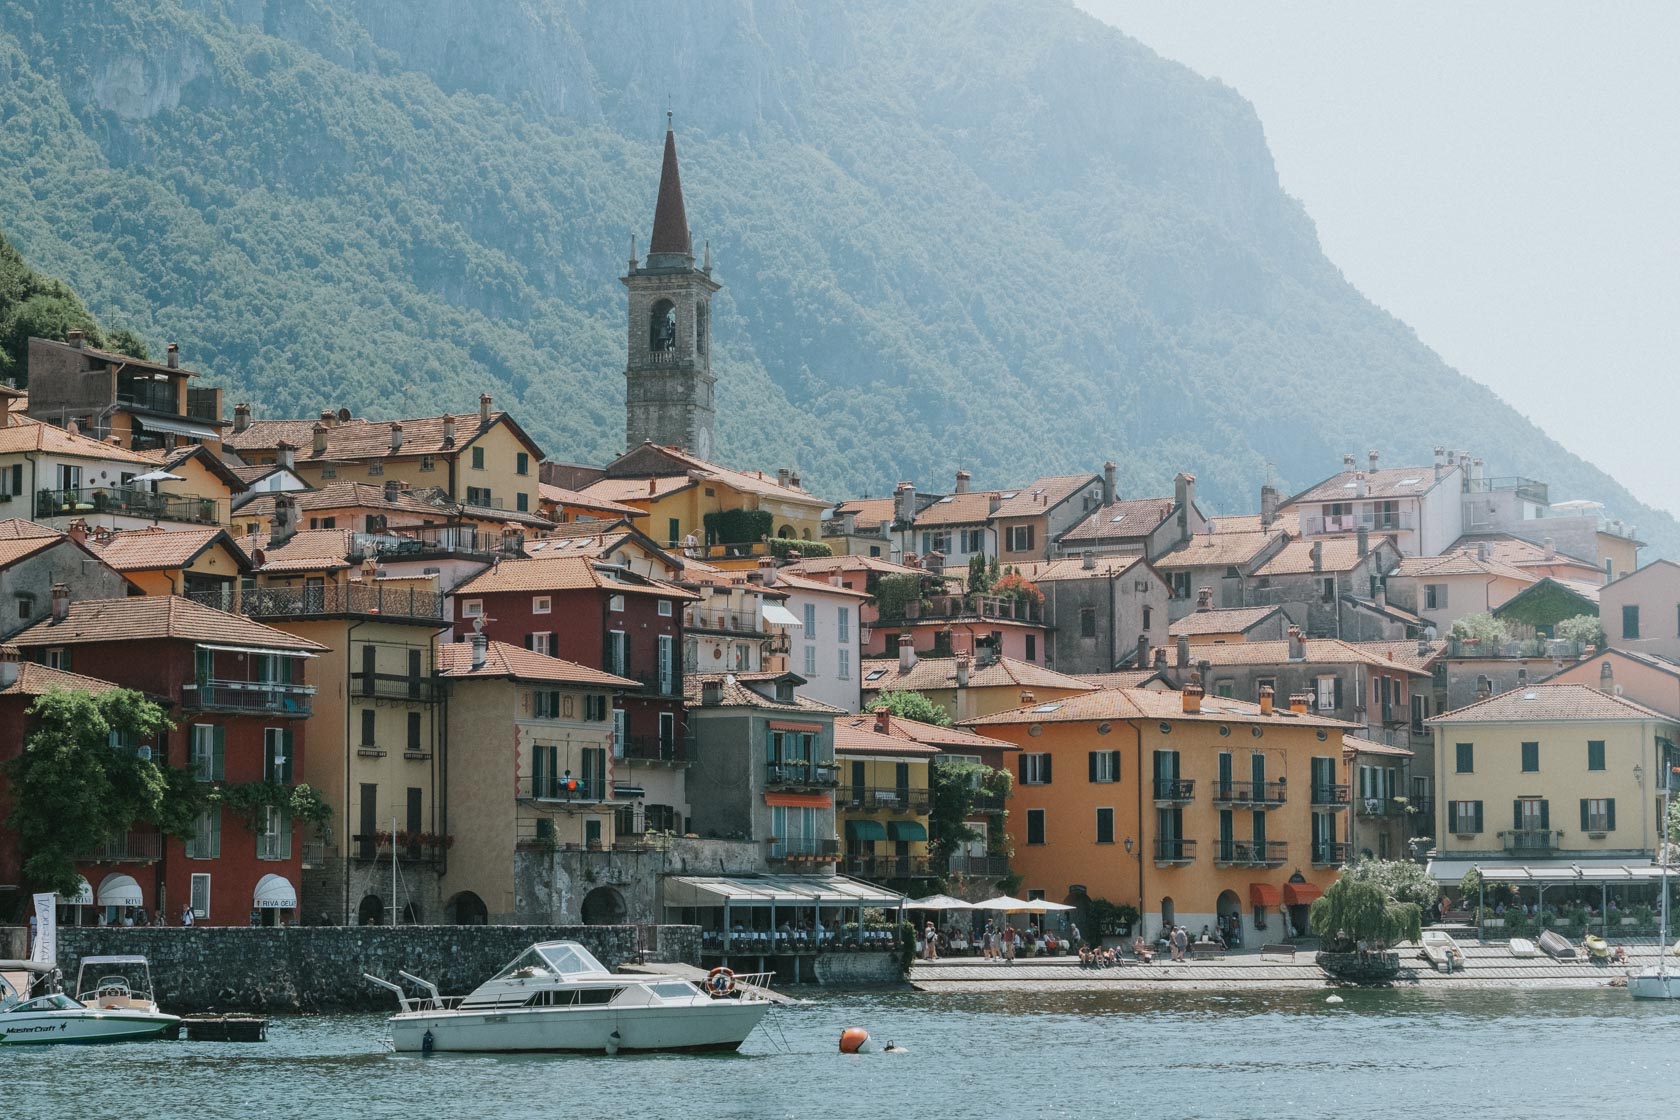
[
  {"x": 359, "y": 438},
  {"x": 565, "y": 573},
  {"x": 931, "y": 673},
  {"x": 1319, "y": 651},
  {"x": 1043, "y": 494},
  {"x": 20, "y": 538},
  {"x": 1341, "y": 554},
  {"x": 1232, "y": 620},
  {"x": 1390, "y": 482},
  {"x": 1543, "y": 703},
  {"x": 1221, "y": 550},
  {"x": 35, "y": 680},
  {"x": 1124, "y": 520},
  {"x": 736, "y": 693},
  {"x": 914, "y": 730},
  {"x": 1141, "y": 703},
  {"x": 562, "y": 496},
  {"x": 858, "y": 736},
  {"x": 153, "y": 617},
  {"x": 307, "y": 550},
  {"x": 25, "y": 434},
  {"x": 1060, "y": 571},
  {"x": 501, "y": 659},
  {"x": 973, "y": 508},
  {"x": 153, "y": 549}
]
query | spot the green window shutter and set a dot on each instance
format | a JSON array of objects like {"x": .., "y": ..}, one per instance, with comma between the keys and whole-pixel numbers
[
  {"x": 285, "y": 834},
  {"x": 1046, "y": 768},
  {"x": 1478, "y": 820},
  {"x": 1452, "y": 816},
  {"x": 287, "y": 739},
  {"x": 1610, "y": 814},
  {"x": 1545, "y": 814},
  {"x": 215, "y": 848},
  {"x": 1091, "y": 766},
  {"x": 1583, "y": 814},
  {"x": 1516, "y": 815},
  {"x": 1595, "y": 754},
  {"x": 218, "y": 754},
  {"x": 1114, "y": 764}
]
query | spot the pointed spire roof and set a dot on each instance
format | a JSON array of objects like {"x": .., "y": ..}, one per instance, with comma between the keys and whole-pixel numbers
[{"x": 670, "y": 222}]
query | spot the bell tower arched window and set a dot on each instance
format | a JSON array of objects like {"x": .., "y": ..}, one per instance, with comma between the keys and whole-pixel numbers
[
  {"x": 702, "y": 323},
  {"x": 662, "y": 326}
]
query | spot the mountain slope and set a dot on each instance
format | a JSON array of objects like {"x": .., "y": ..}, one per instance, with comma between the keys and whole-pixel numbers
[{"x": 999, "y": 236}]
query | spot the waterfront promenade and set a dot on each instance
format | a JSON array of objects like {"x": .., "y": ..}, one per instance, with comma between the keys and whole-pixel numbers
[{"x": 1487, "y": 964}]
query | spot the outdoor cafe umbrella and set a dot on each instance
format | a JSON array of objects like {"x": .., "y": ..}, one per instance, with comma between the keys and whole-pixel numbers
[
  {"x": 1010, "y": 905},
  {"x": 938, "y": 902}
]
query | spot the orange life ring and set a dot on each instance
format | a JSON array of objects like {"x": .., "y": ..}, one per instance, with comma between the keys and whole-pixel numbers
[{"x": 720, "y": 982}]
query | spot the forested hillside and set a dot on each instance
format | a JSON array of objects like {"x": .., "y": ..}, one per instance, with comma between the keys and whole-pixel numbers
[{"x": 1000, "y": 236}]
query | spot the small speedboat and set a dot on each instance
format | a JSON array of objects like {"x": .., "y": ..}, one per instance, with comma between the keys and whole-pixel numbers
[
  {"x": 1523, "y": 947},
  {"x": 56, "y": 1017},
  {"x": 1554, "y": 945},
  {"x": 1442, "y": 951},
  {"x": 1597, "y": 948},
  {"x": 557, "y": 997}
]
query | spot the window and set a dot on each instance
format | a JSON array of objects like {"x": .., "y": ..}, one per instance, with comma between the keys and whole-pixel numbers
[
  {"x": 1032, "y": 647},
  {"x": 1530, "y": 757},
  {"x": 428, "y": 463},
  {"x": 200, "y": 897},
  {"x": 1104, "y": 766},
  {"x": 472, "y": 608},
  {"x": 1088, "y": 622},
  {"x": 56, "y": 659},
  {"x": 1595, "y": 754},
  {"x": 11, "y": 481},
  {"x": 1035, "y": 826},
  {"x": 1630, "y": 621},
  {"x": 618, "y": 652},
  {"x": 376, "y": 468},
  {"x": 845, "y": 666},
  {"x": 1329, "y": 693},
  {"x": 1465, "y": 763},
  {"x": 1105, "y": 826},
  {"x": 522, "y": 502},
  {"x": 521, "y": 463},
  {"x": 1598, "y": 814},
  {"x": 843, "y": 625},
  {"x": 542, "y": 641},
  {"x": 1435, "y": 596},
  {"x": 478, "y": 458},
  {"x": 1020, "y": 538},
  {"x": 478, "y": 496},
  {"x": 278, "y": 762},
  {"x": 415, "y": 746},
  {"x": 810, "y": 622},
  {"x": 621, "y": 729},
  {"x": 25, "y": 607},
  {"x": 810, "y": 661},
  {"x": 1329, "y": 593},
  {"x": 275, "y": 839},
  {"x": 1531, "y": 814},
  {"x": 208, "y": 750},
  {"x": 667, "y": 734},
  {"x": 1181, "y": 585},
  {"x": 615, "y": 603},
  {"x": 329, "y": 472},
  {"x": 369, "y": 721},
  {"x": 667, "y": 664},
  {"x": 206, "y": 840},
  {"x": 936, "y": 542},
  {"x": 973, "y": 540},
  {"x": 595, "y": 707},
  {"x": 1227, "y": 689},
  {"x": 1035, "y": 769},
  {"x": 665, "y": 608},
  {"x": 1464, "y": 818},
  {"x": 542, "y": 604},
  {"x": 1148, "y": 615},
  {"x": 545, "y": 704}
]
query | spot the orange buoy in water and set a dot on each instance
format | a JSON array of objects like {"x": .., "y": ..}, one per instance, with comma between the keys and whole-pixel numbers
[{"x": 853, "y": 1040}]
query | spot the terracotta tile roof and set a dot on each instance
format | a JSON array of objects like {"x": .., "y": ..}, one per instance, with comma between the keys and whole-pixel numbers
[
  {"x": 20, "y": 538},
  {"x": 306, "y": 550},
  {"x": 153, "y": 617},
  {"x": 1391, "y": 482},
  {"x": 858, "y": 736},
  {"x": 1341, "y": 554},
  {"x": 629, "y": 489},
  {"x": 454, "y": 660},
  {"x": 359, "y": 438},
  {"x": 1124, "y": 520},
  {"x": 1043, "y": 494},
  {"x": 566, "y": 573},
  {"x": 1654, "y": 661},
  {"x": 406, "y": 505},
  {"x": 1058, "y": 571},
  {"x": 562, "y": 496},
  {"x": 36, "y": 680},
  {"x": 932, "y": 673},
  {"x": 954, "y": 739},
  {"x": 869, "y": 512},
  {"x": 1459, "y": 564},
  {"x": 1507, "y": 549},
  {"x": 1544, "y": 703},
  {"x": 25, "y": 434},
  {"x": 789, "y": 581},
  {"x": 690, "y": 469},
  {"x": 973, "y": 508},
  {"x": 139, "y": 550},
  {"x": 249, "y": 474},
  {"x": 1233, "y": 620},
  {"x": 1128, "y": 678},
  {"x": 1223, "y": 550},
  {"x": 823, "y": 565},
  {"x": 1386, "y": 610},
  {"x": 737, "y": 694},
  {"x": 1319, "y": 651},
  {"x": 1143, "y": 704},
  {"x": 1353, "y": 744},
  {"x": 1405, "y": 652},
  {"x": 1238, "y": 523}
]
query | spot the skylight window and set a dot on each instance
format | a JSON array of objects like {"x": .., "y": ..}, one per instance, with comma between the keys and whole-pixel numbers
[
  {"x": 874, "y": 674},
  {"x": 947, "y": 500},
  {"x": 1012, "y": 494},
  {"x": 1116, "y": 519},
  {"x": 1410, "y": 481},
  {"x": 1046, "y": 708}
]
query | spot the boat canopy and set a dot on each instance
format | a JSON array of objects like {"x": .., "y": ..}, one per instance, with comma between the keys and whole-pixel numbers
[
  {"x": 775, "y": 890},
  {"x": 561, "y": 959}
]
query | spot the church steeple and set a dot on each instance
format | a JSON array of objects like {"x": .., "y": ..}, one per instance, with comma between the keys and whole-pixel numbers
[{"x": 668, "y": 374}]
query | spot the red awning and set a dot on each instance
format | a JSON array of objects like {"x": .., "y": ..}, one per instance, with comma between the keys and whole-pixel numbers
[
  {"x": 1299, "y": 894},
  {"x": 1262, "y": 894},
  {"x": 800, "y": 800}
]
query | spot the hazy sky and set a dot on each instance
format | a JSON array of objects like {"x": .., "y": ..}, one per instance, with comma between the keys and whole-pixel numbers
[{"x": 1502, "y": 176}]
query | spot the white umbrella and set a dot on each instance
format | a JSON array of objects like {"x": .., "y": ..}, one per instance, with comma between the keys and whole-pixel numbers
[
  {"x": 1008, "y": 905},
  {"x": 159, "y": 475},
  {"x": 938, "y": 902},
  {"x": 1054, "y": 906}
]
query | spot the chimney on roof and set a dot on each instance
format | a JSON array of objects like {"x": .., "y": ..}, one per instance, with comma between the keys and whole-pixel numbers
[
  {"x": 964, "y": 667},
  {"x": 1363, "y": 536},
  {"x": 711, "y": 693},
  {"x": 172, "y": 356},
  {"x": 1371, "y": 457},
  {"x": 1482, "y": 551},
  {"x": 449, "y": 431},
  {"x": 319, "y": 447},
  {"x": 60, "y": 601},
  {"x": 1381, "y": 597},
  {"x": 883, "y": 721},
  {"x": 513, "y": 540},
  {"x": 1316, "y": 551},
  {"x": 1267, "y": 697},
  {"x": 1088, "y": 560},
  {"x": 1268, "y": 505},
  {"x": 992, "y": 503},
  {"x": 480, "y": 650},
  {"x": 285, "y": 519},
  {"x": 1484, "y": 687},
  {"x": 396, "y": 436},
  {"x": 1109, "y": 472},
  {"x": 328, "y": 418},
  {"x": 782, "y": 477},
  {"x": 241, "y": 417},
  {"x": 114, "y": 441},
  {"x": 1606, "y": 679},
  {"x": 904, "y": 503},
  {"x": 1361, "y": 487},
  {"x": 1440, "y": 462},
  {"x": 392, "y": 487},
  {"x": 9, "y": 665},
  {"x": 1183, "y": 651},
  {"x": 963, "y": 480},
  {"x": 1300, "y": 702},
  {"x": 1423, "y": 647},
  {"x": 77, "y": 530},
  {"x": 485, "y": 400},
  {"x": 73, "y": 427},
  {"x": 1160, "y": 657},
  {"x": 906, "y": 653},
  {"x": 1549, "y": 546},
  {"x": 76, "y": 337},
  {"x": 1349, "y": 462},
  {"x": 1204, "y": 598},
  {"x": 767, "y": 570},
  {"x": 793, "y": 478},
  {"x": 1297, "y": 644},
  {"x": 1143, "y": 651},
  {"x": 1193, "y": 699},
  {"x": 286, "y": 453},
  {"x": 1184, "y": 489},
  {"x": 1027, "y": 697}
]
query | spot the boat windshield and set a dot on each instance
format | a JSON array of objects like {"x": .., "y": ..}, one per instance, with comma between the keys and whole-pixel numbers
[
  {"x": 556, "y": 958},
  {"x": 58, "y": 1001}
]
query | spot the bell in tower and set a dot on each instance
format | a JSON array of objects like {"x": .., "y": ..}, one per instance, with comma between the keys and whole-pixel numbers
[{"x": 668, "y": 376}]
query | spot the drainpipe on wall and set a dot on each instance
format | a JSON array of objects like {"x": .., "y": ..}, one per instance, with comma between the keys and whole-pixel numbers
[
  {"x": 344, "y": 825},
  {"x": 440, "y": 761}
]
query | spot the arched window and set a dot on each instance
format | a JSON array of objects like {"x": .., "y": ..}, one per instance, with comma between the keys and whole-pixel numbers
[
  {"x": 702, "y": 324},
  {"x": 662, "y": 326}
]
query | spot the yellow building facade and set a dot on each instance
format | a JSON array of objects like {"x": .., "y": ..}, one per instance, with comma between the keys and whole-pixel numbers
[{"x": 882, "y": 803}]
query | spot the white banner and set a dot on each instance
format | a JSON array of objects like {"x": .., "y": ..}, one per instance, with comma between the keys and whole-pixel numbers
[{"x": 45, "y": 949}]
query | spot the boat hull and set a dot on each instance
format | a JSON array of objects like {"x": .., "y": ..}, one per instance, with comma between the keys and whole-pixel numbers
[
  {"x": 712, "y": 1026},
  {"x": 1654, "y": 985},
  {"x": 49, "y": 1027}
]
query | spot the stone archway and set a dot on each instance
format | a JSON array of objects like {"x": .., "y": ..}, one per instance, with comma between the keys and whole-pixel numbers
[
  {"x": 371, "y": 912},
  {"x": 466, "y": 909},
  {"x": 603, "y": 906},
  {"x": 1229, "y": 913},
  {"x": 1169, "y": 915}
]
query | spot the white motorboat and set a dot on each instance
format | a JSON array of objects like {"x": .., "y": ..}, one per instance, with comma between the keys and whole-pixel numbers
[
  {"x": 1523, "y": 947},
  {"x": 1442, "y": 951},
  {"x": 56, "y": 1017},
  {"x": 1658, "y": 981},
  {"x": 557, "y": 997}
]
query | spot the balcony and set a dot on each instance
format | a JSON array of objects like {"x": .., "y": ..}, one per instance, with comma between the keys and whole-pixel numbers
[
  {"x": 985, "y": 801},
  {"x": 397, "y": 686},
  {"x": 153, "y": 396},
  {"x": 1531, "y": 841},
  {"x": 743, "y": 623},
  {"x": 986, "y": 607},
  {"x": 314, "y": 854},
  {"x": 1315, "y": 524},
  {"x": 1525, "y": 488},
  {"x": 888, "y": 867},
  {"x": 405, "y": 541},
  {"x": 1383, "y": 806},
  {"x": 873, "y": 799},
  {"x": 1329, "y": 797},
  {"x": 328, "y": 600},
  {"x": 538, "y": 832},
  {"x": 1174, "y": 791},
  {"x": 1326, "y": 853},
  {"x": 1538, "y": 648},
  {"x": 131, "y": 847},
  {"x": 658, "y": 684},
  {"x": 378, "y": 847},
  {"x": 804, "y": 850},
  {"x": 1174, "y": 853},
  {"x": 979, "y": 867},
  {"x": 1249, "y": 795},
  {"x": 267, "y": 697},
  {"x": 560, "y": 788},
  {"x": 126, "y": 502},
  {"x": 652, "y": 748},
  {"x": 801, "y": 775},
  {"x": 1249, "y": 853}
]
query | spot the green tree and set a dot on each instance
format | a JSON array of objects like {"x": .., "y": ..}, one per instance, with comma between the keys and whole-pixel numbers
[
  {"x": 912, "y": 705},
  {"x": 1483, "y": 628},
  {"x": 1587, "y": 629},
  {"x": 73, "y": 791},
  {"x": 979, "y": 577},
  {"x": 1402, "y": 879},
  {"x": 1361, "y": 910}
]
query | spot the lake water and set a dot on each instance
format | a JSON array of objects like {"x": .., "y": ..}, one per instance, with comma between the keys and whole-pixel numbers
[{"x": 1075, "y": 1054}]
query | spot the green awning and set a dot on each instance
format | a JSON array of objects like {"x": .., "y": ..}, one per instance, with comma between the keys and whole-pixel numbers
[
  {"x": 865, "y": 830},
  {"x": 906, "y": 830}
]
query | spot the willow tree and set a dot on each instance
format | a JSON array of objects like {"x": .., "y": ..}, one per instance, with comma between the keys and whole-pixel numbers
[{"x": 1353, "y": 910}]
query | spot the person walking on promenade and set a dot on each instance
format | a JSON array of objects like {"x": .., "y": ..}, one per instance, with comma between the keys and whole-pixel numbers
[
  {"x": 1180, "y": 942},
  {"x": 930, "y": 937}
]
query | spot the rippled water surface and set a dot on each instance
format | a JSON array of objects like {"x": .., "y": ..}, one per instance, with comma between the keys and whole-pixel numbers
[{"x": 1160, "y": 1055}]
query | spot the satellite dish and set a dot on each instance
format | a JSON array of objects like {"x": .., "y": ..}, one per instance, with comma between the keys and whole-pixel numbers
[{"x": 343, "y": 415}]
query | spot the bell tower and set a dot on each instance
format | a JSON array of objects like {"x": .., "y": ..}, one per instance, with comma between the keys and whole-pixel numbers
[{"x": 668, "y": 378}]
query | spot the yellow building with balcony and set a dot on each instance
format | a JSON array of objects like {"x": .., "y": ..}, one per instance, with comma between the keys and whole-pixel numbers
[{"x": 883, "y": 800}]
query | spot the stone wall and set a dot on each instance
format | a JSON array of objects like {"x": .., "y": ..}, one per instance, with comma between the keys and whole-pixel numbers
[
  {"x": 841, "y": 969},
  {"x": 319, "y": 968}
]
